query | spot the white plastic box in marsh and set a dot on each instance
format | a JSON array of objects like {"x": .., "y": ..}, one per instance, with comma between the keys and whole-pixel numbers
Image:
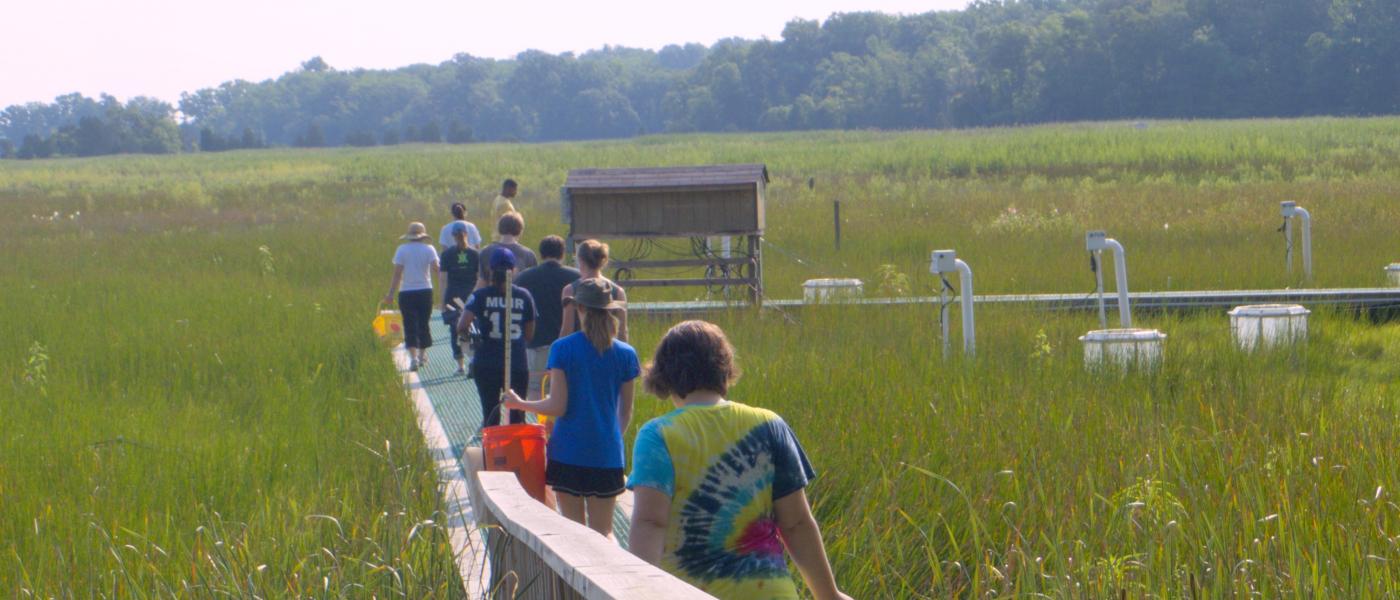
[
  {"x": 1123, "y": 347},
  {"x": 825, "y": 291},
  {"x": 1267, "y": 325},
  {"x": 1392, "y": 274}
]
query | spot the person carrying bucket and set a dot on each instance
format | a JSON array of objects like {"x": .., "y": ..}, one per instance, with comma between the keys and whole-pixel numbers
[
  {"x": 719, "y": 485},
  {"x": 591, "y": 376},
  {"x": 487, "y": 308},
  {"x": 415, "y": 265}
]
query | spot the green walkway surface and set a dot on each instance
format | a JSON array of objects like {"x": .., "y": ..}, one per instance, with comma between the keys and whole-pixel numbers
[{"x": 455, "y": 401}]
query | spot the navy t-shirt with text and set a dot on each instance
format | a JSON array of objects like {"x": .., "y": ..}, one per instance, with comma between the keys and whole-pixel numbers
[{"x": 494, "y": 321}]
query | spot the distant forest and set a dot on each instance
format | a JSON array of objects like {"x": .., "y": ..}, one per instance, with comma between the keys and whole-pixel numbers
[{"x": 994, "y": 63}]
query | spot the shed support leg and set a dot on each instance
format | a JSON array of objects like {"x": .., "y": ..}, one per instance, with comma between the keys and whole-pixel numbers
[{"x": 756, "y": 270}]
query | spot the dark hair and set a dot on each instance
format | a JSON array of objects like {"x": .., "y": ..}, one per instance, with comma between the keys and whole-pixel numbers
[
  {"x": 552, "y": 246},
  {"x": 498, "y": 277},
  {"x": 459, "y": 211},
  {"x": 509, "y": 183},
  {"x": 693, "y": 355},
  {"x": 593, "y": 254},
  {"x": 511, "y": 223}
]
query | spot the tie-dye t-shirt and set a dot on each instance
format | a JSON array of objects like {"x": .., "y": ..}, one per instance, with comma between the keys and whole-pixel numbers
[{"x": 722, "y": 466}]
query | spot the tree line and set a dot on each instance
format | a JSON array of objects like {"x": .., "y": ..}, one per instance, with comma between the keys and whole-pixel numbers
[
  {"x": 75, "y": 125},
  {"x": 995, "y": 63}
]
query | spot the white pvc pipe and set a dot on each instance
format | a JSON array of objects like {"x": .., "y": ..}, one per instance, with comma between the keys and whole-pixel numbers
[
  {"x": 969, "y": 329},
  {"x": 943, "y": 317},
  {"x": 1288, "y": 244},
  {"x": 1120, "y": 276},
  {"x": 1098, "y": 288},
  {"x": 1307, "y": 241}
]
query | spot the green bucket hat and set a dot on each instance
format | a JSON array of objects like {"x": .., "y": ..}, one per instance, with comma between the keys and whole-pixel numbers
[{"x": 597, "y": 292}]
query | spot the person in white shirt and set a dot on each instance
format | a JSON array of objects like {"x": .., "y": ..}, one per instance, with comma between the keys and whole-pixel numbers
[
  {"x": 415, "y": 266},
  {"x": 459, "y": 215}
]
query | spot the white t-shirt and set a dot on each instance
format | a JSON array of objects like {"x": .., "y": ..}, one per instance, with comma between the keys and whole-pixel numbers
[
  {"x": 445, "y": 240},
  {"x": 417, "y": 259}
]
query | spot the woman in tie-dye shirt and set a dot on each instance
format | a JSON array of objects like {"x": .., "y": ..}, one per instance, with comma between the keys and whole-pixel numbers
[{"x": 719, "y": 485}]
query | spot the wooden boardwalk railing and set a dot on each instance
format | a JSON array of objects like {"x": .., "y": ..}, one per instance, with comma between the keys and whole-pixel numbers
[
  {"x": 534, "y": 552},
  {"x": 505, "y": 544}
]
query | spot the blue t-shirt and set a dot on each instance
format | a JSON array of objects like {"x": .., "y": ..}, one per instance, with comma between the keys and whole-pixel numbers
[
  {"x": 488, "y": 306},
  {"x": 588, "y": 435}
]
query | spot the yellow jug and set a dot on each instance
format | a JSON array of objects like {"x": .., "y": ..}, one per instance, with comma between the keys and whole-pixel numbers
[{"x": 388, "y": 325}]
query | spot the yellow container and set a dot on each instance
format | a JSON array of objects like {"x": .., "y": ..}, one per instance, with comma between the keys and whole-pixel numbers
[
  {"x": 546, "y": 420},
  {"x": 388, "y": 325}
]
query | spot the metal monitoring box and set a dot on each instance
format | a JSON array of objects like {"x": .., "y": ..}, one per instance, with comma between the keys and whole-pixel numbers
[
  {"x": 700, "y": 202},
  {"x": 665, "y": 201}
]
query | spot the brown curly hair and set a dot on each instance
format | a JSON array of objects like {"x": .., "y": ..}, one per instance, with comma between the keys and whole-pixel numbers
[{"x": 693, "y": 355}]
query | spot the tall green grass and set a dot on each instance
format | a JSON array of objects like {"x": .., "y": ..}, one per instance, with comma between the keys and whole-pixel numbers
[
  {"x": 192, "y": 403},
  {"x": 197, "y": 409},
  {"x": 1196, "y": 204},
  {"x": 1021, "y": 472}
]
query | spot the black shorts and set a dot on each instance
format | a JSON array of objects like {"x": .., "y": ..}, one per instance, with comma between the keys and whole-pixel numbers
[{"x": 584, "y": 481}]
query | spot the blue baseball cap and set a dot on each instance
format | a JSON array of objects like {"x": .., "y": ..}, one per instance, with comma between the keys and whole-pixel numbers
[
  {"x": 459, "y": 229},
  {"x": 502, "y": 259}
]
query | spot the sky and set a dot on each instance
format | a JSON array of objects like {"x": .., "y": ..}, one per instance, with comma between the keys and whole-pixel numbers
[{"x": 163, "y": 47}]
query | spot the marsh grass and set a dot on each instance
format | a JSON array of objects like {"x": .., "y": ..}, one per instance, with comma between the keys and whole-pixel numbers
[
  {"x": 197, "y": 410},
  {"x": 1021, "y": 473},
  {"x": 193, "y": 405}
]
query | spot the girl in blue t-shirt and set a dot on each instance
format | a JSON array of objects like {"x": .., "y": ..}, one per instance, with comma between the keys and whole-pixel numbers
[{"x": 591, "y": 375}]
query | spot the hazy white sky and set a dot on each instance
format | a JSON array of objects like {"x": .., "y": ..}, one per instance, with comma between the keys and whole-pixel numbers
[{"x": 163, "y": 47}]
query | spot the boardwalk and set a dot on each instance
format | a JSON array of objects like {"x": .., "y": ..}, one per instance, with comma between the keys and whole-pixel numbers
[
  {"x": 454, "y": 401},
  {"x": 1375, "y": 299}
]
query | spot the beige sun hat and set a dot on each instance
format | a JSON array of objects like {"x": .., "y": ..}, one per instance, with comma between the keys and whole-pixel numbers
[
  {"x": 416, "y": 232},
  {"x": 596, "y": 292}
]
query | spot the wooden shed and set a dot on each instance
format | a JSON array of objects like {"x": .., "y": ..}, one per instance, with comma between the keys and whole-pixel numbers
[
  {"x": 698, "y": 202},
  {"x": 665, "y": 201}
]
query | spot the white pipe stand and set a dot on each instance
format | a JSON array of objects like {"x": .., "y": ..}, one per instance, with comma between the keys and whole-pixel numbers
[
  {"x": 1097, "y": 242},
  {"x": 947, "y": 261},
  {"x": 1289, "y": 210}
]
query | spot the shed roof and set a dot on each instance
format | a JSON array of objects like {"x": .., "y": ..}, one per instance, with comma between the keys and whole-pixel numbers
[{"x": 667, "y": 177}]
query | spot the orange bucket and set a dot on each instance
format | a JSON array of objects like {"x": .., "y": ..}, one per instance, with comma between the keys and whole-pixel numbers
[{"x": 519, "y": 449}]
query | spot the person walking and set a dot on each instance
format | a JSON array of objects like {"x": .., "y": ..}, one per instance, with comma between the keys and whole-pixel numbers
[
  {"x": 459, "y": 217},
  {"x": 459, "y": 266},
  {"x": 592, "y": 256},
  {"x": 719, "y": 485},
  {"x": 487, "y": 308},
  {"x": 504, "y": 202},
  {"x": 415, "y": 266},
  {"x": 509, "y": 228},
  {"x": 546, "y": 282},
  {"x": 591, "y": 375}
]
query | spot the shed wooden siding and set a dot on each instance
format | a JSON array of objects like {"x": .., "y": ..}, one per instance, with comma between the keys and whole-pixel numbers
[
  {"x": 708, "y": 175},
  {"x": 672, "y": 201}
]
